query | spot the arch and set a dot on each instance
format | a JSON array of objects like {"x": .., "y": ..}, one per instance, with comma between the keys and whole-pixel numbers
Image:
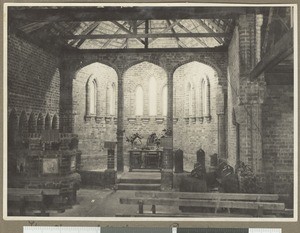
[
  {"x": 153, "y": 61},
  {"x": 32, "y": 124},
  {"x": 91, "y": 96},
  {"x": 88, "y": 63},
  {"x": 48, "y": 122},
  {"x": 23, "y": 123},
  {"x": 190, "y": 100},
  {"x": 40, "y": 123},
  {"x": 12, "y": 128},
  {"x": 55, "y": 123},
  {"x": 139, "y": 101},
  {"x": 164, "y": 100},
  {"x": 152, "y": 97},
  {"x": 205, "y": 93},
  {"x": 205, "y": 63}
]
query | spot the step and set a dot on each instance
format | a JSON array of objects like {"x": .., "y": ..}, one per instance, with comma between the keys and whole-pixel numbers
[
  {"x": 145, "y": 170},
  {"x": 129, "y": 186},
  {"x": 139, "y": 181}
]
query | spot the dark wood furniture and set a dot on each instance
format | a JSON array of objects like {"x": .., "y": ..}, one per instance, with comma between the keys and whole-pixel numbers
[
  {"x": 24, "y": 202},
  {"x": 251, "y": 205},
  {"x": 145, "y": 159}
]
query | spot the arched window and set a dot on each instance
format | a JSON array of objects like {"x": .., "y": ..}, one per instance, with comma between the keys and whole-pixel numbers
[
  {"x": 190, "y": 100},
  {"x": 91, "y": 97},
  {"x": 205, "y": 90},
  {"x": 40, "y": 123},
  {"x": 139, "y": 101},
  {"x": 165, "y": 100},
  {"x": 32, "y": 126},
  {"x": 12, "y": 128},
  {"x": 112, "y": 108},
  {"x": 55, "y": 122},
  {"x": 23, "y": 124},
  {"x": 48, "y": 122},
  {"x": 152, "y": 97}
]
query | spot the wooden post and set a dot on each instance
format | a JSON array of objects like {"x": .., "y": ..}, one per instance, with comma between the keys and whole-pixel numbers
[{"x": 141, "y": 207}]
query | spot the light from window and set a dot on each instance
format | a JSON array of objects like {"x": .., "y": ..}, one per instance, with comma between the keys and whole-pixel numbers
[
  {"x": 165, "y": 100},
  {"x": 113, "y": 100},
  {"x": 139, "y": 101},
  {"x": 93, "y": 97},
  {"x": 152, "y": 97}
]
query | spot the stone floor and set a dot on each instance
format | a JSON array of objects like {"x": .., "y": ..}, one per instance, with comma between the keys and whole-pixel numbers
[{"x": 95, "y": 202}]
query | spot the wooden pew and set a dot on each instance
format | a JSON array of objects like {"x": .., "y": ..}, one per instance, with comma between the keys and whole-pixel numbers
[
  {"x": 22, "y": 201},
  {"x": 261, "y": 204}
]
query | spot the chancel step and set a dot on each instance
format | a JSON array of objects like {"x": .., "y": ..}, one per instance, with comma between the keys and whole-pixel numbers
[{"x": 130, "y": 186}]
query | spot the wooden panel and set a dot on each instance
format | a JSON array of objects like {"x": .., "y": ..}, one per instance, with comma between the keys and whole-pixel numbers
[
  {"x": 23, "y": 191},
  {"x": 204, "y": 203},
  {"x": 210, "y": 196}
]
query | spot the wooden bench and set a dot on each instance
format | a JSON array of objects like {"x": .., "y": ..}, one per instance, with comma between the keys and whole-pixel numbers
[
  {"x": 259, "y": 204},
  {"x": 22, "y": 201}
]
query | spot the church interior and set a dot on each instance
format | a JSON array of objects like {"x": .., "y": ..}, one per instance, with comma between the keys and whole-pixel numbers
[{"x": 150, "y": 111}]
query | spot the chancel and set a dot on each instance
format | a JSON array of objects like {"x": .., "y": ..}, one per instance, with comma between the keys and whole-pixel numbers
[{"x": 150, "y": 111}]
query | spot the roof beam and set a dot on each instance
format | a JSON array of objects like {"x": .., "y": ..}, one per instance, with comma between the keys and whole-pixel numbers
[
  {"x": 37, "y": 14},
  {"x": 152, "y": 35},
  {"x": 180, "y": 43},
  {"x": 282, "y": 49},
  {"x": 195, "y": 37},
  {"x": 208, "y": 29},
  {"x": 123, "y": 28}
]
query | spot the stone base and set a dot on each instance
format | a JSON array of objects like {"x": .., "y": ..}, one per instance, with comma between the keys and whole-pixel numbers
[{"x": 166, "y": 179}]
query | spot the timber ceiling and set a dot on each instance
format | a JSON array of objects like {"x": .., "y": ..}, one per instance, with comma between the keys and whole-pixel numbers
[{"x": 125, "y": 27}]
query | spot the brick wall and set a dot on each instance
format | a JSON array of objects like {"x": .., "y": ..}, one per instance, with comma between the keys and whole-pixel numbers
[
  {"x": 33, "y": 80},
  {"x": 94, "y": 130},
  {"x": 192, "y": 132},
  {"x": 278, "y": 140}
]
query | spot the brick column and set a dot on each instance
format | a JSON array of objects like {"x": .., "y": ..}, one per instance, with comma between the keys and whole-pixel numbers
[
  {"x": 259, "y": 22},
  {"x": 167, "y": 163},
  {"x": 120, "y": 125},
  {"x": 66, "y": 115},
  {"x": 221, "y": 123}
]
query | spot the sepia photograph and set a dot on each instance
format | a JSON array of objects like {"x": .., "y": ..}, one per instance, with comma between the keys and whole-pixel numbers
[{"x": 150, "y": 111}]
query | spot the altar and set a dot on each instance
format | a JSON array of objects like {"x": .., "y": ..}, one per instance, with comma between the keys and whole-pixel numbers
[{"x": 145, "y": 159}]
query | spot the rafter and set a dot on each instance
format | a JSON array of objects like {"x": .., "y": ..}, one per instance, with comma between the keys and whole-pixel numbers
[
  {"x": 179, "y": 42},
  {"x": 152, "y": 35},
  {"x": 91, "y": 27},
  {"x": 208, "y": 29},
  {"x": 196, "y": 37},
  {"x": 123, "y": 28},
  {"x": 116, "y": 32},
  {"x": 166, "y": 29}
]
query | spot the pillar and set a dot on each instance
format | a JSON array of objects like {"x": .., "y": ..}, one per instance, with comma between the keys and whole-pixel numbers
[
  {"x": 259, "y": 22},
  {"x": 167, "y": 164},
  {"x": 221, "y": 123},
  {"x": 120, "y": 125},
  {"x": 66, "y": 114}
]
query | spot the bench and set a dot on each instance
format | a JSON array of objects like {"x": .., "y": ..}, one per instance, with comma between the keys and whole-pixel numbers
[
  {"x": 259, "y": 204},
  {"x": 23, "y": 201}
]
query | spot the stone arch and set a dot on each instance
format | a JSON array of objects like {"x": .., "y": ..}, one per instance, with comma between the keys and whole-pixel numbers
[
  {"x": 12, "y": 128},
  {"x": 23, "y": 123},
  {"x": 55, "y": 122},
  {"x": 153, "y": 61},
  {"x": 48, "y": 122},
  {"x": 83, "y": 64},
  {"x": 32, "y": 123},
  {"x": 204, "y": 61},
  {"x": 40, "y": 123}
]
